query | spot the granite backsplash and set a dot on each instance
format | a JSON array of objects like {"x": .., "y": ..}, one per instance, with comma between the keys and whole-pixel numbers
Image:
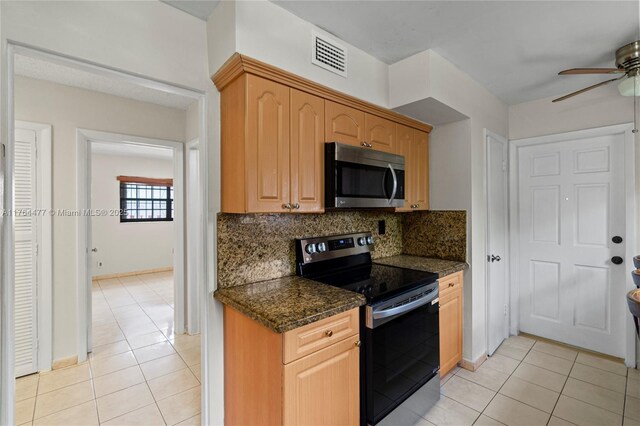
[
  {"x": 440, "y": 234},
  {"x": 258, "y": 247}
]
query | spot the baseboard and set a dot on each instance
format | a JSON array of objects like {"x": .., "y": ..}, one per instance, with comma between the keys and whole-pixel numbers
[
  {"x": 473, "y": 365},
  {"x": 132, "y": 273},
  {"x": 64, "y": 362}
]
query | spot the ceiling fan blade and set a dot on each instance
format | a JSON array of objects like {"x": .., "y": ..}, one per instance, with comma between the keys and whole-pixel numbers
[
  {"x": 573, "y": 71},
  {"x": 586, "y": 89}
]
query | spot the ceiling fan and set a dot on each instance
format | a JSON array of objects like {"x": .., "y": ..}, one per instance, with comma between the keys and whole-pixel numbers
[{"x": 627, "y": 63}]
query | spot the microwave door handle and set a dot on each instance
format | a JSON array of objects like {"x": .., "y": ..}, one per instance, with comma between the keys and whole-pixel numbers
[{"x": 395, "y": 184}]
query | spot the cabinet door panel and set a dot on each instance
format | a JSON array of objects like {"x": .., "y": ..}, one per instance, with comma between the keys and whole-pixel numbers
[
  {"x": 324, "y": 387},
  {"x": 267, "y": 152},
  {"x": 307, "y": 152},
  {"x": 404, "y": 147},
  {"x": 380, "y": 133},
  {"x": 344, "y": 124},
  {"x": 450, "y": 330},
  {"x": 421, "y": 158}
]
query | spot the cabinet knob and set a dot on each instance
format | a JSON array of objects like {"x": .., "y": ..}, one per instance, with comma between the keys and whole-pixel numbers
[
  {"x": 328, "y": 333},
  {"x": 296, "y": 206},
  {"x": 358, "y": 344},
  {"x": 451, "y": 284},
  {"x": 286, "y": 206}
]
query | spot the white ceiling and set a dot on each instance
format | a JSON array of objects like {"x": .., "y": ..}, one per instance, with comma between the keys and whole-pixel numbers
[
  {"x": 513, "y": 48},
  {"x": 131, "y": 150},
  {"x": 198, "y": 8},
  {"x": 43, "y": 70}
]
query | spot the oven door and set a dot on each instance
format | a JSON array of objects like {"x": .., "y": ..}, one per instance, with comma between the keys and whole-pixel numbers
[
  {"x": 402, "y": 353},
  {"x": 362, "y": 178}
]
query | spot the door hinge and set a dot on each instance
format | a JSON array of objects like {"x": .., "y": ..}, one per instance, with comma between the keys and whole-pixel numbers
[
  {"x": 37, "y": 249},
  {"x": 4, "y": 151},
  {"x": 505, "y": 310},
  {"x": 504, "y": 166}
]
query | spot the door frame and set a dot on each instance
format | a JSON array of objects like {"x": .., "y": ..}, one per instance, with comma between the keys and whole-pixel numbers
[
  {"x": 630, "y": 210},
  {"x": 44, "y": 289},
  {"x": 195, "y": 241},
  {"x": 84, "y": 138},
  {"x": 489, "y": 134}
]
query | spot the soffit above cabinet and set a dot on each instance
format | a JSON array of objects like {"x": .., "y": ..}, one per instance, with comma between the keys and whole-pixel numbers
[{"x": 239, "y": 64}]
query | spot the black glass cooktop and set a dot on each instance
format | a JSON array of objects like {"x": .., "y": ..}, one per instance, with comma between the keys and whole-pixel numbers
[{"x": 376, "y": 282}]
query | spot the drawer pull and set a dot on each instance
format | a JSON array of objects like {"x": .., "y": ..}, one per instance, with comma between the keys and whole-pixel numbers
[
  {"x": 358, "y": 343},
  {"x": 451, "y": 284},
  {"x": 328, "y": 333}
]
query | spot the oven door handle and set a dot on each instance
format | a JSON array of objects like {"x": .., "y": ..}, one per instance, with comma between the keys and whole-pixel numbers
[
  {"x": 399, "y": 310},
  {"x": 395, "y": 184}
]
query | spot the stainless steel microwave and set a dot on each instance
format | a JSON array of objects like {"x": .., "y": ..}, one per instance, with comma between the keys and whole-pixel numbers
[{"x": 362, "y": 177}]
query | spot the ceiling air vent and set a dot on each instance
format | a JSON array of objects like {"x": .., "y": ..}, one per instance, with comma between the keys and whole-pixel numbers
[{"x": 328, "y": 54}]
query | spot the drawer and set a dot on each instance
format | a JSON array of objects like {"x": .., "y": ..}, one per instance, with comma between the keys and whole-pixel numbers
[
  {"x": 318, "y": 335},
  {"x": 450, "y": 282}
]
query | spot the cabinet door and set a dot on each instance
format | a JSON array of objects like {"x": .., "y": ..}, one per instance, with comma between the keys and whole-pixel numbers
[
  {"x": 404, "y": 147},
  {"x": 344, "y": 124},
  {"x": 267, "y": 145},
  {"x": 324, "y": 387},
  {"x": 450, "y": 330},
  {"x": 307, "y": 152},
  {"x": 380, "y": 133},
  {"x": 421, "y": 159}
]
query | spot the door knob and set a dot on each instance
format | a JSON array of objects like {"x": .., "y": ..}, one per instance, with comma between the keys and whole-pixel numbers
[
  {"x": 617, "y": 260},
  {"x": 95, "y": 250},
  {"x": 495, "y": 258},
  {"x": 617, "y": 239}
]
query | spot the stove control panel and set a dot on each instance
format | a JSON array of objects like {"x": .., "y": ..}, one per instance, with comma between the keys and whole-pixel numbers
[{"x": 314, "y": 249}]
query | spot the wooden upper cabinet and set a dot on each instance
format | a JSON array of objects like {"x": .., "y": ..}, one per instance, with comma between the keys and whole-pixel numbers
[
  {"x": 307, "y": 152},
  {"x": 421, "y": 162},
  {"x": 404, "y": 147},
  {"x": 344, "y": 124},
  {"x": 267, "y": 146},
  {"x": 380, "y": 133}
]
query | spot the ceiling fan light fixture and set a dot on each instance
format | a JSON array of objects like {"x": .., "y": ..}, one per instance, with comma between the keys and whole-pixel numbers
[{"x": 630, "y": 86}]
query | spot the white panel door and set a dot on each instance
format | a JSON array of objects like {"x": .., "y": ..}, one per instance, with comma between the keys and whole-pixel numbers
[
  {"x": 497, "y": 234},
  {"x": 571, "y": 205},
  {"x": 25, "y": 273}
]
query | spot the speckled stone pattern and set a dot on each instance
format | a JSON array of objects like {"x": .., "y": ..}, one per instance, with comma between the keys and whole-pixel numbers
[
  {"x": 427, "y": 264},
  {"x": 436, "y": 234},
  {"x": 258, "y": 247},
  {"x": 287, "y": 303}
]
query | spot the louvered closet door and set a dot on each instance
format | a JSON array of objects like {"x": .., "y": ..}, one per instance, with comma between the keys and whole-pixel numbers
[{"x": 25, "y": 254}]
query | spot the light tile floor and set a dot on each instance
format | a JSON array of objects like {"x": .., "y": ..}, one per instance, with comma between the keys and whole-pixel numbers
[
  {"x": 139, "y": 373},
  {"x": 531, "y": 383}
]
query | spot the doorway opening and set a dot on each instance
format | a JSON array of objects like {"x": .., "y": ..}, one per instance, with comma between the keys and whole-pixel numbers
[{"x": 143, "y": 335}]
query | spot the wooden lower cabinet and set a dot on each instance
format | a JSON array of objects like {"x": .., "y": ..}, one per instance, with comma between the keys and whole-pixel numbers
[
  {"x": 306, "y": 376},
  {"x": 450, "y": 322}
]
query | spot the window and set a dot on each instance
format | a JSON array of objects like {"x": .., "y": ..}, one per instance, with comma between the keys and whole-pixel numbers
[{"x": 145, "y": 199}]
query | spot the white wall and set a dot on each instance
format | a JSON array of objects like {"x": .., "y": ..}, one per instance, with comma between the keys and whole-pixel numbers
[
  {"x": 274, "y": 35},
  {"x": 457, "y": 165},
  {"x": 67, "y": 109},
  {"x": 128, "y": 246}
]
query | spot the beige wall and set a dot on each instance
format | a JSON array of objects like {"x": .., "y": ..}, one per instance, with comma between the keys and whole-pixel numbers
[
  {"x": 68, "y": 109},
  {"x": 132, "y": 246}
]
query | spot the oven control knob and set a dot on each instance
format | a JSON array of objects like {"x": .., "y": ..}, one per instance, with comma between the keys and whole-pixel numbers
[
  {"x": 321, "y": 247},
  {"x": 310, "y": 248},
  {"x": 362, "y": 241},
  {"x": 369, "y": 239}
]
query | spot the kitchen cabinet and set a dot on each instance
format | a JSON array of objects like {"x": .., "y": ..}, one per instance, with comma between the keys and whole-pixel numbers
[
  {"x": 310, "y": 375},
  {"x": 414, "y": 146},
  {"x": 272, "y": 150},
  {"x": 273, "y": 128},
  {"x": 380, "y": 133},
  {"x": 344, "y": 124},
  {"x": 450, "y": 322}
]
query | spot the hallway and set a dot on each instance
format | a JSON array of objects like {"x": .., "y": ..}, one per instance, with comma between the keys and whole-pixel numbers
[{"x": 139, "y": 372}]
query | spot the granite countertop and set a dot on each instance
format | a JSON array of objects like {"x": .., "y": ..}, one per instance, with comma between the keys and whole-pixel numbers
[
  {"x": 440, "y": 266},
  {"x": 287, "y": 303}
]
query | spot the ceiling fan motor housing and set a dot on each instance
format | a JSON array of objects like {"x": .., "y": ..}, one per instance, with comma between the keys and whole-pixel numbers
[{"x": 628, "y": 57}]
